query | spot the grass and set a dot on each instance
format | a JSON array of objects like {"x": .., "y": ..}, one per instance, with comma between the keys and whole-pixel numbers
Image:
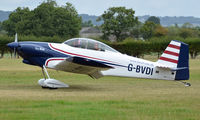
[{"x": 108, "y": 98}]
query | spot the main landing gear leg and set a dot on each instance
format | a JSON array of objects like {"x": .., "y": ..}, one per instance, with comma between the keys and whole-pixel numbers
[
  {"x": 185, "y": 83},
  {"x": 47, "y": 82}
]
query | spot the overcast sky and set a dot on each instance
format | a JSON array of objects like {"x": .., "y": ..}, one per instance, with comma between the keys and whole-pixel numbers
[{"x": 97, "y": 7}]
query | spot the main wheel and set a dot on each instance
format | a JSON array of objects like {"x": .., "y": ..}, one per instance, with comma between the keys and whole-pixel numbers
[
  {"x": 52, "y": 88},
  {"x": 44, "y": 87}
]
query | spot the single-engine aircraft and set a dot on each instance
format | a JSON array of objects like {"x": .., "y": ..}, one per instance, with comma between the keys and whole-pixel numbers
[{"x": 96, "y": 59}]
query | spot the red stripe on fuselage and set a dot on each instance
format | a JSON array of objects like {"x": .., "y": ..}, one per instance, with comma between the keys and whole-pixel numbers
[
  {"x": 171, "y": 53},
  {"x": 78, "y": 54},
  {"x": 52, "y": 60},
  {"x": 174, "y": 46},
  {"x": 169, "y": 60}
]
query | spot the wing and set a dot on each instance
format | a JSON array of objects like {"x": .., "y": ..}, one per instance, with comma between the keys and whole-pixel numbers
[{"x": 78, "y": 65}]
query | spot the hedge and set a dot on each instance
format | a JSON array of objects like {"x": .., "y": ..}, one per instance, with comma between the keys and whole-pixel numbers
[{"x": 129, "y": 46}]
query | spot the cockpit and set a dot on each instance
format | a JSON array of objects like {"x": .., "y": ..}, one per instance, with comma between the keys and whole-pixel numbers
[{"x": 90, "y": 44}]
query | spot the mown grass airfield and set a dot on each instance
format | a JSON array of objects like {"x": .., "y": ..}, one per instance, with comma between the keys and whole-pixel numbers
[{"x": 107, "y": 98}]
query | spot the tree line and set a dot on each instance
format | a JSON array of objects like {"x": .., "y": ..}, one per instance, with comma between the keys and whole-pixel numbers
[
  {"x": 154, "y": 45},
  {"x": 120, "y": 23},
  {"x": 121, "y": 29},
  {"x": 48, "y": 19},
  {"x": 130, "y": 46}
]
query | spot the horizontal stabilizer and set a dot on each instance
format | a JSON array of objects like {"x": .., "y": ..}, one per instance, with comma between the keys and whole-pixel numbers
[{"x": 182, "y": 68}]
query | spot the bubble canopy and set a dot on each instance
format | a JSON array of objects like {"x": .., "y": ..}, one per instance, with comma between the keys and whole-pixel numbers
[{"x": 86, "y": 43}]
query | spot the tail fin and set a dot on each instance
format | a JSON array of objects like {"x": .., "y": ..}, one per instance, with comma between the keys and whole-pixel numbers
[{"x": 176, "y": 56}]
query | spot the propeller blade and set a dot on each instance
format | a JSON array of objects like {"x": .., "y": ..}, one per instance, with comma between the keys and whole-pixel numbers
[
  {"x": 16, "y": 39},
  {"x": 15, "y": 51}
]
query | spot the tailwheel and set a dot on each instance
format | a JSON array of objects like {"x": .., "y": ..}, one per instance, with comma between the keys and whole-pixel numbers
[{"x": 185, "y": 83}]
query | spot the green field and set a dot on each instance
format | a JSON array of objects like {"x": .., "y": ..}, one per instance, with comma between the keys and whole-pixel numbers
[{"x": 108, "y": 98}]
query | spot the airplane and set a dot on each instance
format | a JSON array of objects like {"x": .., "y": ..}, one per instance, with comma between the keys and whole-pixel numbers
[{"x": 96, "y": 59}]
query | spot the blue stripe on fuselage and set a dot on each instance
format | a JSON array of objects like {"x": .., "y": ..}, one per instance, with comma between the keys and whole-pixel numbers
[
  {"x": 33, "y": 56},
  {"x": 36, "y": 53}
]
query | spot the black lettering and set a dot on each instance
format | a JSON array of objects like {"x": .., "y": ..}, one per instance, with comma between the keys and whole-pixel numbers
[
  {"x": 148, "y": 70},
  {"x": 130, "y": 67},
  {"x": 138, "y": 69},
  {"x": 143, "y": 69},
  {"x": 151, "y": 71}
]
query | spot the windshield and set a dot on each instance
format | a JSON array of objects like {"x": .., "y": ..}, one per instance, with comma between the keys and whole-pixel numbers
[{"x": 90, "y": 44}]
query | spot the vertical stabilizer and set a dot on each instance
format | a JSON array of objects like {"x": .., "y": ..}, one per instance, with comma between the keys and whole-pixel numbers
[{"x": 176, "y": 56}]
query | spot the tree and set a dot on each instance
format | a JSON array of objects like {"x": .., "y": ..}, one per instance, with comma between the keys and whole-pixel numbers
[
  {"x": 51, "y": 20},
  {"x": 43, "y": 19},
  {"x": 187, "y": 25},
  {"x": 173, "y": 31},
  {"x": 48, "y": 19},
  {"x": 0, "y": 26},
  {"x": 154, "y": 19},
  {"x": 117, "y": 22},
  {"x": 87, "y": 24},
  {"x": 136, "y": 30},
  {"x": 160, "y": 31},
  {"x": 66, "y": 21},
  {"x": 197, "y": 31},
  {"x": 18, "y": 22},
  {"x": 148, "y": 29},
  {"x": 185, "y": 32}
]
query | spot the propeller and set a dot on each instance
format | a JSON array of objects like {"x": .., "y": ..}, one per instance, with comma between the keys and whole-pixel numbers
[
  {"x": 16, "y": 41},
  {"x": 14, "y": 45}
]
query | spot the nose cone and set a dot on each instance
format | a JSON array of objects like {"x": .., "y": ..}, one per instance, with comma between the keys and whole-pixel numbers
[{"x": 12, "y": 45}]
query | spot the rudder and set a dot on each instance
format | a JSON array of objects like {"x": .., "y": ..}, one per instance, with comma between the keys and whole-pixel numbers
[{"x": 183, "y": 63}]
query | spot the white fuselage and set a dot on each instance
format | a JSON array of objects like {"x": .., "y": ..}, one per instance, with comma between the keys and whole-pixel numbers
[{"x": 122, "y": 65}]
